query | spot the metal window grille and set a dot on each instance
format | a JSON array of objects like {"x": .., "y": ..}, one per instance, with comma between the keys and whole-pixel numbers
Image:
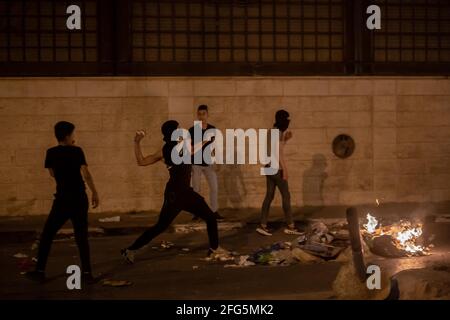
[
  {"x": 271, "y": 31},
  {"x": 35, "y": 31},
  {"x": 226, "y": 37},
  {"x": 415, "y": 34}
]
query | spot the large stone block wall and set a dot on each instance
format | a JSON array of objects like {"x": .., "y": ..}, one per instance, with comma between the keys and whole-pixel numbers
[{"x": 401, "y": 127}]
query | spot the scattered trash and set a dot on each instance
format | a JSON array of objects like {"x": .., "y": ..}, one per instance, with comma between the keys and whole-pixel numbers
[
  {"x": 301, "y": 239},
  {"x": 304, "y": 256},
  {"x": 319, "y": 227},
  {"x": 20, "y": 255},
  {"x": 320, "y": 233},
  {"x": 116, "y": 283},
  {"x": 111, "y": 219},
  {"x": 166, "y": 244},
  {"x": 322, "y": 250},
  {"x": 221, "y": 255},
  {"x": 241, "y": 262}
]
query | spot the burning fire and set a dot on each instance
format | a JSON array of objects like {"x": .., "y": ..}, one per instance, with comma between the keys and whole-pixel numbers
[
  {"x": 404, "y": 234},
  {"x": 371, "y": 224}
]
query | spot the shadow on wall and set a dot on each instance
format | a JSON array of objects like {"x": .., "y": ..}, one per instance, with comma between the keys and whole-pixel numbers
[
  {"x": 233, "y": 189},
  {"x": 313, "y": 181}
]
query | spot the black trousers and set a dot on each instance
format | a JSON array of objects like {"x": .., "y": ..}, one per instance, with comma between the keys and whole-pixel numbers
[
  {"x": 273, "y": 182},
  {"x": 174, "y": 202},
  {"x": 64, "y": 208}
]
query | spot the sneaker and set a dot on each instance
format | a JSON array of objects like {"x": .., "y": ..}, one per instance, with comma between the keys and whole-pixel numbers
[
  {"x": 263, "y": 231},
  {"x": 38, "y": 276},
  {"x": 293, "y": 231},
  {"x": 128, "y": 255},
  {"x": 218, "y": 216}
]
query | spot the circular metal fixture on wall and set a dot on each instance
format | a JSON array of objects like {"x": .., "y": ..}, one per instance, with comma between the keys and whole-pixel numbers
[{"x": 343, "y": 146}]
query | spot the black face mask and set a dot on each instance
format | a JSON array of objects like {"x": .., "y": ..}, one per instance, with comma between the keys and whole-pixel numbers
[
  {"x": 282, "y": 124},
  {"x": 167, "y": 129}
]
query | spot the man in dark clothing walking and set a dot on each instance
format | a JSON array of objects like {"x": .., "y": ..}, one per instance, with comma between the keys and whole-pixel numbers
[{"x": 67, "y": 165}]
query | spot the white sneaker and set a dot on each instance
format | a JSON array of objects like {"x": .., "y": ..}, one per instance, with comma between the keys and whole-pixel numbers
[
  {"x": 293, "y": 231},
  {"x": 263, "y": 231},
  {"x": 128, "y": 255}
]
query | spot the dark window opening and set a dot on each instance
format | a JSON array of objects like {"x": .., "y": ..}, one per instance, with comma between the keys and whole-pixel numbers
[{"x": 230, "y": 37}]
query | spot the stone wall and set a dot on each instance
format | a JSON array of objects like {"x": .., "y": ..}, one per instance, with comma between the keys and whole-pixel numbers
[{"x": 401, "y": 127}]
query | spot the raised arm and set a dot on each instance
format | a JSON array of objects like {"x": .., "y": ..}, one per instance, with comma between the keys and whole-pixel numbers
[{"x": 141, "y": 160}]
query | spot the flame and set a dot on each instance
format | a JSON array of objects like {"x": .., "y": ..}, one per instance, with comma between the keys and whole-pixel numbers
[
  {"x": 403, "y": 233},
  {"x": 371, "y": 224},
  {"x": 407, "y": 238}
]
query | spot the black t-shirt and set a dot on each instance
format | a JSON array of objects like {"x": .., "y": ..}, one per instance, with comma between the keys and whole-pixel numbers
[
  {"x": 191, "y": 132},
  {"x": 180, "y": 174},
  {"x": 66, "y": 162}
]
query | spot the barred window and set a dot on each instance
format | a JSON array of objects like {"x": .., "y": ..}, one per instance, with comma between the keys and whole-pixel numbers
[
  {"x": 224, "y": 37},
  {"x": 35, "y": 31},
  {"x": 245, "y": 31},
  {"x": 413, "y": 31}
]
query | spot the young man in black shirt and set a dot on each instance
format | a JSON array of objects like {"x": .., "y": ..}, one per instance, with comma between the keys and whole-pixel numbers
[
  {"x": 204, "y": 168},
  {"x": 66, "y": 163},
  {"x": 178, "y": 194}
]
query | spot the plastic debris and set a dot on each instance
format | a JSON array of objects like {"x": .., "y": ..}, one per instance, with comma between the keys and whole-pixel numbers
[
  {"x": 166, "y": 244},
  {"x": 301, "y": 239},
  {"x": 111, "y": 219},
  {"x": 241, "y": 262},
  {"x": 320, "y": 233},
  {"x": 319, "y": 227},
  {"x": 116, "y": 283},
  {"x": 221, "y": 255},
  {"x": 20, "y": 255},
  {"x": 322, "y": 250}
]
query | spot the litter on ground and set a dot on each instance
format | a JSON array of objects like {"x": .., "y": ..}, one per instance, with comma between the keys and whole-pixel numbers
[{"x": 111, "y": 219}]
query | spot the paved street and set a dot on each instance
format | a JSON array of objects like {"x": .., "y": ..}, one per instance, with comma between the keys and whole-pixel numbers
[
  {"x": 177, "y": 274},
  {"x": 169, "y": 274}
]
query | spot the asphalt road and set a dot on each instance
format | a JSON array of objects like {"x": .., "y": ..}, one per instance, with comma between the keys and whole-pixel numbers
[{"x": 169, "y": 273}]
